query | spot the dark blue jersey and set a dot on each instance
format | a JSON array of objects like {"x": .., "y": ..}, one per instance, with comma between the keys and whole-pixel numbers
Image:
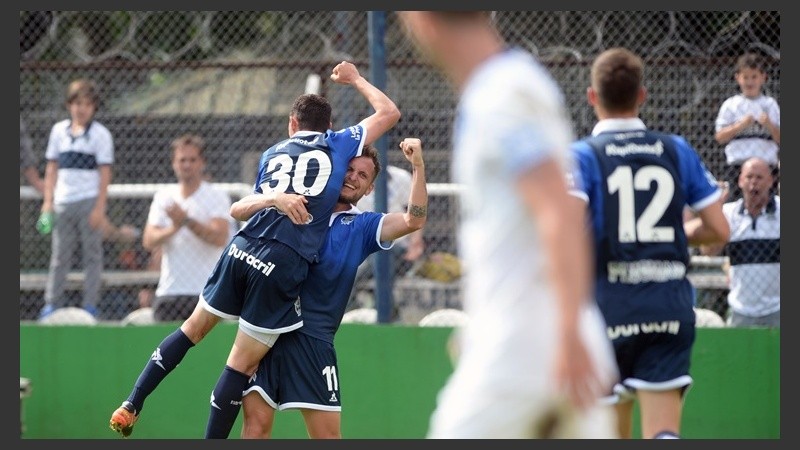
[
  {"x": 638, "y": 182},
  {"x": 301, "y": 370},
  {"x": 311, "y": 164},
  {"x": 324, "y": 296}
]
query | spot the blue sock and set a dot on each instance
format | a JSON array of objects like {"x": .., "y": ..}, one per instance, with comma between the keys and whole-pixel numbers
[
  {"x": 167, "y": 356},
  {"x": 226, "y": 401}
]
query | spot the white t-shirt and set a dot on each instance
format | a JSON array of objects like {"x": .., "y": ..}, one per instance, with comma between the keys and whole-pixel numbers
[
  {"x": 78, "y": 158},
  {"x": 511, "y": 117},
  {"x": 187, "y": 260},
  {"x": 755, "y": 140}
]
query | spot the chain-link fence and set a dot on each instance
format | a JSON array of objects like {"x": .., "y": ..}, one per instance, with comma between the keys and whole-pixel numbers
[{"x": 232, "y": 76}]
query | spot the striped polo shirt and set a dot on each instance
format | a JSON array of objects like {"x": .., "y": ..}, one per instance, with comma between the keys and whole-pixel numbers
[
  {"x": 754, "y": 250},
  {"x": 78, "y": 160}
]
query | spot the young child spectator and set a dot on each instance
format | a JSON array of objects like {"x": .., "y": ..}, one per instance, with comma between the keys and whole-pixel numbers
[
  {"x": 749, "y": 123},
  {"x": 80, "y": 153}
]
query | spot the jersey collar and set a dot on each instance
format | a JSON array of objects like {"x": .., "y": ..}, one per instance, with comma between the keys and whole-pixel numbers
[
  {"x": 352, "y": 210},
  {"x": 770, "y": 208},
  {"x": 618, "y": 125}
]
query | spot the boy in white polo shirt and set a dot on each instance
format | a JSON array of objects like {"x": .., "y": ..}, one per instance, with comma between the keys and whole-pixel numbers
[
  {"x": 748, "y": 124},
  {"x": 80, "y": 153}
]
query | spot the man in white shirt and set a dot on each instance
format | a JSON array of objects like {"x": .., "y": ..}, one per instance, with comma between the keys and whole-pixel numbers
[
  {"x": 190, "y": 221},
  {"x": 754, "y": 249}
]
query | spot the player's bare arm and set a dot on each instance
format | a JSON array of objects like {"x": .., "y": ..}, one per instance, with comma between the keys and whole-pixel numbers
[
  {"x": 709, "y": 228},
  {"x": 293, "y": 205},
  {"x": 543, "y": 189},
  {"x": 386, "y": 113},
  {"x": 396, "y": 225}
]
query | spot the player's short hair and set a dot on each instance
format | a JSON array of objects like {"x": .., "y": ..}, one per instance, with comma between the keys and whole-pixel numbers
[
  {"x": 617, "y": 75},
  {"x": 371, "y": 152},
  {"x": 191, "y": 140},
  {"x": 83, "y": 88},
  {"x": 312, "y": 112}
]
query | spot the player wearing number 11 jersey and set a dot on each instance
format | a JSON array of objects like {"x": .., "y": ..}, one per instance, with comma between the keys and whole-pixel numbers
[{"x": 637, "y": 182}]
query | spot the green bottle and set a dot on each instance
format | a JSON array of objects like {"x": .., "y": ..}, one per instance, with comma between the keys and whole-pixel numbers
[{"x": 45, "y": 223}]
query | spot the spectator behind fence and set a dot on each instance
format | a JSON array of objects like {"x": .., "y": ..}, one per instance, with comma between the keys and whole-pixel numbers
[
  {"x": 754, "y": 249},
  {"x": 407, "y": 249},
  {"x": 80, "y": 153},
  {"x": 636, "y": 182},
  {"x": 191, "y": 223},
  {"x": 27, "y": 159},
  {"x": 748, "y": 124}
]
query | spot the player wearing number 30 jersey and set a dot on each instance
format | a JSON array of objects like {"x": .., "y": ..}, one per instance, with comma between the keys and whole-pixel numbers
[
  {"x": 310, "y": 164},
  {"x": 260, "y": 274},
  {"x": 270, "y": 251},
  {"x": 257, "y": 278}
]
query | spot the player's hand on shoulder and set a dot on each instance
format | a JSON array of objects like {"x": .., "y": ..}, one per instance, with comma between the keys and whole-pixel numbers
[
  {"x": 412, "y": 150},
  {"x": 294, "y": 206},
  {"x": 345, "y": 73}
]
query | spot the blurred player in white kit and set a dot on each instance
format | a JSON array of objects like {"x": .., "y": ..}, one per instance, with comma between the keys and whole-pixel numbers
[{"x": 534, "y": 357}]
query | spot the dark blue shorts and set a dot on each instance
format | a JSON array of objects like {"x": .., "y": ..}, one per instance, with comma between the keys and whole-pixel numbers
[
  {"x": 259, "y": 281},
  {"x": 653, "y": 356},
  {"x": 300, "y": 371}
]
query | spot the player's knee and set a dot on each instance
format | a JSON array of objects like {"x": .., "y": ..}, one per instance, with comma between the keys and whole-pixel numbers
[
  {"x": 325, "y": 434},
  {"x": 253, "y": 430},
  {"x": 258, "y": 418},
  {"x": 198, "y": 325}
]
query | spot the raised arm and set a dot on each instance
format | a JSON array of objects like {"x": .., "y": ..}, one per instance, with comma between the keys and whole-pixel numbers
[
  {"x": 396, "y": 225},
  {"x": 386, "y": 113}
]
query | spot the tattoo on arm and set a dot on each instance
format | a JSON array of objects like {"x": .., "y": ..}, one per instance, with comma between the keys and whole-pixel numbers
[{"x": 417, "y": 210}]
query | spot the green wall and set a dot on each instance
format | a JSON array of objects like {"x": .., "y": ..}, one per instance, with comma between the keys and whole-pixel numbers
[{"x": 390, "y": 376}]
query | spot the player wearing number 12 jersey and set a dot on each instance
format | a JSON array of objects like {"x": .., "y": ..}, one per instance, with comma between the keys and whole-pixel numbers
[{"x": 637, "y": 182}]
